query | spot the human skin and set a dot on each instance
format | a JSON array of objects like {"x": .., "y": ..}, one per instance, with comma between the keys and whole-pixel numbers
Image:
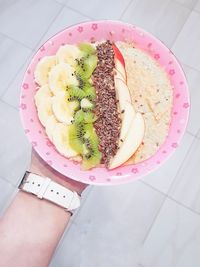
[{"x": 31, "y": 228}]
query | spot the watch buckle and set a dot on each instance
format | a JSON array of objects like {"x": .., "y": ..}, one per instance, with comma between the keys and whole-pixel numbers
[{"x": 23, "y": 181}]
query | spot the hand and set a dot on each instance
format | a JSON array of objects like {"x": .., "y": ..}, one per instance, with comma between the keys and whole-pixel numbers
[{"x": 39, "y": 166}]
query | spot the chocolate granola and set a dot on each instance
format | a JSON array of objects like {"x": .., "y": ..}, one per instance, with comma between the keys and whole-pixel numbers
[{"x": 108, "y": 123}]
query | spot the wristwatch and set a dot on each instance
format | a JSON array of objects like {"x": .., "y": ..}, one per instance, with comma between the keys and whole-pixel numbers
[{"x": 45, "y": 188}]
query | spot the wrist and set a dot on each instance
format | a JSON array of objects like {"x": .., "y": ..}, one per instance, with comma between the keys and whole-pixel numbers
[
  {"x": 38, "y": 166},
  {"x": 54, "y": 192},
  {"x": 34, "y": 213},
  {"x": 42, "y": 208}
]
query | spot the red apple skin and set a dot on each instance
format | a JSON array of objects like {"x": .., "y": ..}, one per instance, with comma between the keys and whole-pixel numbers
[{"x": 118, "y": 54}]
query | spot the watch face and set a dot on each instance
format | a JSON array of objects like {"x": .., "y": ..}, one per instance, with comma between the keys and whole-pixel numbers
[{"x": 94, "y": 31}]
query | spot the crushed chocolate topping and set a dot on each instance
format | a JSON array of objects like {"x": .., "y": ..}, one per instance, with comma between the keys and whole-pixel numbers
[{"x": 108, "y": 123}]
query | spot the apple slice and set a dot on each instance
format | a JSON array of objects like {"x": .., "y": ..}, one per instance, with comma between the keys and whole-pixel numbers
[
  {"x": 119, "y": 61},
  {"x": 118, "y": 75},
  {"x": 127, "y": 117},
  {"x": 118, "y": 55},
  {"x": 131, "y": 143},
  {"x": 122, "y": 93},
  {"x": 120, "y": 68}
]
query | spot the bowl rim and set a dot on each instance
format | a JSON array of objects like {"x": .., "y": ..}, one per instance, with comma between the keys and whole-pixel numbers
[{"x": 155, "y": 167}]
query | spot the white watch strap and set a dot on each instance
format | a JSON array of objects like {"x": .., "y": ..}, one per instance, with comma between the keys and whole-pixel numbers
[{"x": 45, "y": 188}]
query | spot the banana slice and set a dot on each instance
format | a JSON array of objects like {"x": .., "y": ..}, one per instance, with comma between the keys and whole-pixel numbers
[
  {"x": 61, "y": 76},
  {"x": 68, "y": 54},
  {"x": 64, "y": 109},
  {"x": 50, "y": 126},
  {"x": 45, "y": 110},
  {"x": 77, "y": 158},
  {"x": 61, "y": 140},
  {"x": 42, "y": 93},
  {"x": 43, "y": 68}
]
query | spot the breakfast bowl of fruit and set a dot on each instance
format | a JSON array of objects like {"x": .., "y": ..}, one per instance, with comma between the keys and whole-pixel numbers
[{"x": 104, "y": 102}]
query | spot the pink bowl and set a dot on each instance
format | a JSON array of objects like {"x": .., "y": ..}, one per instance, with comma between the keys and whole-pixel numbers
[{"x": 115, "y": 31}]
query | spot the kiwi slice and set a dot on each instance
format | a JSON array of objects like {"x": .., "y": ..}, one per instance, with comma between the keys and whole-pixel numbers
[
  {"x": 89, "y": 117},
  {"x": 75, "y": 93},
  {"x": 90, "y": 92},
  {"x": 89, "y": 130},
  {"x": 90, "y": 64},
  {"x": 86, "y": 104},
  {"x": 92, "y": 157},
  {"x": 85, "y": 116},
  {"x": 79, "y": 116},
  {"x": 84, "y": 140},
  {"x": 87, "y": 48},
  {"x": 85, "y": 150},
  {"x": 86, "y": 66},
  {"x": 76, "y": 137}
]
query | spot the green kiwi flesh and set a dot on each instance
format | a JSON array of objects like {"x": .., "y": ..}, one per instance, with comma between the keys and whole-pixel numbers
[
  {"x": 85, "y": 116},
  {"x": 93, "y": 157},
  {"x": 87, "y": 49},
  {"x": 82, "y": 136}
]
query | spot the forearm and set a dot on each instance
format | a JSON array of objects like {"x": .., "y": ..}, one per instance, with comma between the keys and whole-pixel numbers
[{"x": 30, "y": 231}]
